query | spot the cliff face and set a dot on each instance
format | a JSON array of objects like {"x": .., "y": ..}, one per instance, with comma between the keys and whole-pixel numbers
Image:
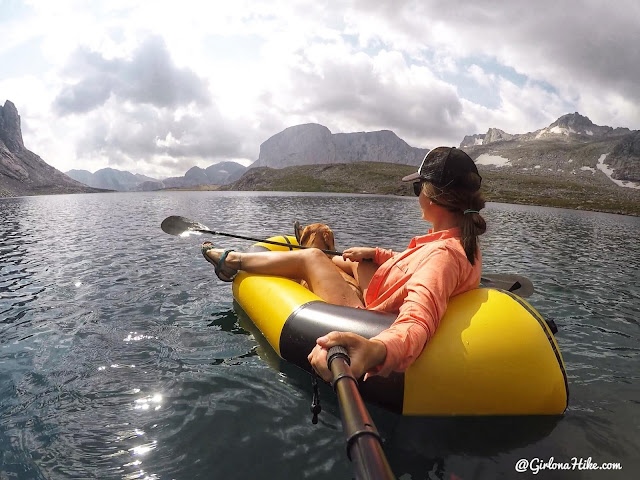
[
  {"x": 22, "y": 172},
  {"x": 10, "y": 132},
  {"x": 313, "y": 144}
]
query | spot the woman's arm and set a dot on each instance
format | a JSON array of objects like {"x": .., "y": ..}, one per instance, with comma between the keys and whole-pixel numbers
[
  {"x": 428, "y": 293},
  {"x": 358, "y": 254},
  {"x": 377, "y": 254},
  {"x": 364, "y": 354},
  {"x": 397, "y": 347}
]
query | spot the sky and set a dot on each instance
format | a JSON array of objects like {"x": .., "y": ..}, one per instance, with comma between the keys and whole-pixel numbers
[{"x": 156, "y": 87}]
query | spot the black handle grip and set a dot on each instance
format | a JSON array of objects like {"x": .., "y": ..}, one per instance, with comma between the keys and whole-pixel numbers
[{"x": 337, "y": 351}]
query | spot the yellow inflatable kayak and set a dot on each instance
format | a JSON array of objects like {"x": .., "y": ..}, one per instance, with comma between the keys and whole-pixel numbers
[{"x": 492, "y": 354}]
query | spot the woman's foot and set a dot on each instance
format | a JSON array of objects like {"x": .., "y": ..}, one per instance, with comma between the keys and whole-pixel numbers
[{"x": 219, "y": 259}]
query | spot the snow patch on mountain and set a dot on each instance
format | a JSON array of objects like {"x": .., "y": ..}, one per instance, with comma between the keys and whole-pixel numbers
[
  {"x": 561, "y": 131},
  {"x": 609, "y": 172},
  {"x": 495, "y": 160}
]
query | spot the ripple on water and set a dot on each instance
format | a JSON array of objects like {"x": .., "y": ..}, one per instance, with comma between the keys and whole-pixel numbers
[{"x": 122, "y": 357}]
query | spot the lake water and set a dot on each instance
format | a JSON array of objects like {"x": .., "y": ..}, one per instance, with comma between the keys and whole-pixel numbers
[{"x": 121, "y": 356}]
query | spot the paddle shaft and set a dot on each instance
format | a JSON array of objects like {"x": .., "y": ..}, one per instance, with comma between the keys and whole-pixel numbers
[
  {"x": 364, "y": 445},
  {"x": 270, "y": 242}
]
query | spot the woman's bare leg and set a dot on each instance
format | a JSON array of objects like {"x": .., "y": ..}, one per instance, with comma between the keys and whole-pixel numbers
[
  {"x": 310, "y": 265},
  {"x": 361, "y": 271}
]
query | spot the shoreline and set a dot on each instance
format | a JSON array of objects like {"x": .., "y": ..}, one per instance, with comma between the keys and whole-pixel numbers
[{"x": 563, "y": 203}]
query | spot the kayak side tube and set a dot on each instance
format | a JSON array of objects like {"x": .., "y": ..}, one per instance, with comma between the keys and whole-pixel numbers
[{"x": 492, "y": 353}]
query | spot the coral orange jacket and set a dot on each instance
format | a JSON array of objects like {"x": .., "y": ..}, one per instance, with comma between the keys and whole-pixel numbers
[{"x": 417, "y": 284}]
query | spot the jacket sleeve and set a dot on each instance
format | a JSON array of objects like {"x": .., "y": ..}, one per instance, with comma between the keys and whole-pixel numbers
[
  {"x": 382, "y": 255},
  {"x": 428, "y": 291}
]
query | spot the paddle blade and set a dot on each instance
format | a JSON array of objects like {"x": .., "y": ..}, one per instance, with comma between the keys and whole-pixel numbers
[
  {"x": 182, "y": 226},
  {"x": 517, "y": 284}
]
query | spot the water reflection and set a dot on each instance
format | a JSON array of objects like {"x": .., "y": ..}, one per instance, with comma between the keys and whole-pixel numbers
[{"x": 149, "y": 402}]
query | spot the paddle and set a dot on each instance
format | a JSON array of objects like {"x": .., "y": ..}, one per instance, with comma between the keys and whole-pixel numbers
[
  {"x": 364, "y": 445},
  {"x": 184, "y": 227},
  {"x": 510, "y": 282}
]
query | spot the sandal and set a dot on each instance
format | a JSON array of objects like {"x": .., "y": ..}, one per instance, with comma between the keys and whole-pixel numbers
[{"x": 223, "y": 272}]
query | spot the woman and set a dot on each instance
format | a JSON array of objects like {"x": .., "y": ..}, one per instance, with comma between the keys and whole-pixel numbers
[{"x": 416, "y": 284}]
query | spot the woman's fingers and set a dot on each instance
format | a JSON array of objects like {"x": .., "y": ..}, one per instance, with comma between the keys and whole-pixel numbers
[
  {"x": 318, "y": 356},
  {"x": 318, "y": 360},
  {"x": 364, "y": 353},
  {"x": 355, "y": 254},
  {"x": 332, "y": 339}
]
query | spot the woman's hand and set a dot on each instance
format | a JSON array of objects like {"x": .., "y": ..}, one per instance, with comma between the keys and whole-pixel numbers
[
  {"x": 364, "y": 354},
  {"x": 357, "y": 254}
]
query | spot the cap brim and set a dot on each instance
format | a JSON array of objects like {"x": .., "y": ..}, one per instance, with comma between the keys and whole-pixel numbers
[{"x": 411, "y": 178}]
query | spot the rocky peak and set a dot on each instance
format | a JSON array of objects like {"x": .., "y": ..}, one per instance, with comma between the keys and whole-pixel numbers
[
  {"x": 197, "y": 174},
  {"x": 493, "y": 135},
  {"x": 496, "y": 135},
  {"x": 472, "y": 140},
  {"x": 569, "y": 126},
  {"x": 574, "y": 121},
  {"x": 10, "y": 132}
]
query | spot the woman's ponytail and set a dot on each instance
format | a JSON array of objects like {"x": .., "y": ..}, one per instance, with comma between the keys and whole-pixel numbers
[
  {"x": 467, "y": 203},
  {"x": 472, "y": 225}
]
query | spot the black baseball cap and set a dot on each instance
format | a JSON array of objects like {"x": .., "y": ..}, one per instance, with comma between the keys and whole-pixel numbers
[{"x": 447, "y": 167}]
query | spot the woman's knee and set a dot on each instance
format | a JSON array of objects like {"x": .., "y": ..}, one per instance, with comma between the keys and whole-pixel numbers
[
  {"x": 313, "y": 256},
  {"x": 313, "y": 259}
]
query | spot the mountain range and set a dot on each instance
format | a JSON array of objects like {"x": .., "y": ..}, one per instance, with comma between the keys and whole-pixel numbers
[
  {"x": 572, "y": 148},
  {"x": 221, "y": 173},
  {"x": 109, "y": 178},
  {"x": 308, "y": 144}
]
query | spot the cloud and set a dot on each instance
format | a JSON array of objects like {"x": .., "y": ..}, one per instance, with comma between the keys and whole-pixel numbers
[
  {"x": 582, "y": 49},
  {"x": 143, "y": 110},
  {"x": 351, "y": 91},
  {"x": 149, "y": 77},
  {"x": 144, "y": 134},
  {"x": 521, "y": 108}
]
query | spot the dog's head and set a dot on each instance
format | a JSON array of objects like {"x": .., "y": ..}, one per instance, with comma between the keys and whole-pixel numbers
[{"x": 316, "y": 235}]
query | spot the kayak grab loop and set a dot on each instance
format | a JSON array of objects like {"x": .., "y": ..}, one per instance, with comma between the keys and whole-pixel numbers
[{"x": 315, "y": 400}]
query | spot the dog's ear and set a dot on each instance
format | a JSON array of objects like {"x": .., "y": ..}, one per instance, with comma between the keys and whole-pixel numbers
[
  {"x": 305, "y": 236},
  {"x": 327, "y": 235},
  {"x": 297, "y": 231}
]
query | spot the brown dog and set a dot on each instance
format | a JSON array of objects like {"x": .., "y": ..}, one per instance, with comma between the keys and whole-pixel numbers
[{"x": 319, "y": 235}]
